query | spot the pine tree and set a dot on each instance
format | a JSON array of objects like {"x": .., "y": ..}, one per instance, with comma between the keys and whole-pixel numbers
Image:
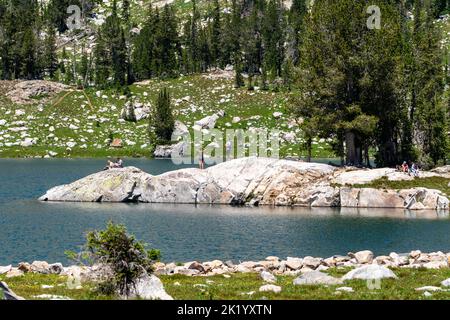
[
  {"x": 101, "y": 59},
  {"x": 143, "y": 52},
  {"x": 112, "y": 40},
  {"x": 162, "y": 122},
  {"x": 193, "y": 39},
  {"x": 126, "y": 11},
  {"x": 296, "y": 17},
  {"x": 252, "y": 43},
  {"x": 204, "y": 51},
  {"x": 216, "y": 35},
  {"x": 238, "y": 79},
  {"x": 50, "y": 55},
  {"x": 348, "y": 79},
  {"x": 84, "y": 67},
  {"x": 427, "y": 108},
  {"x": 226, "y": 42},
  {"x": 235, "y": 33},
  {"x": 167, "y": 42},
  {"x": 28, "y": 54},
  {"x": 263, "y": 80},
  {"x": 273, "y": 39}
]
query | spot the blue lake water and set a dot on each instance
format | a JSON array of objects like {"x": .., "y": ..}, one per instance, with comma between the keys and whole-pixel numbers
[{"x": 31, "y": 230}]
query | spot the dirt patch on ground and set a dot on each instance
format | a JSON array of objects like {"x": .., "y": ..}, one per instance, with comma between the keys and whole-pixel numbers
[{"x": 29, "y": 92}]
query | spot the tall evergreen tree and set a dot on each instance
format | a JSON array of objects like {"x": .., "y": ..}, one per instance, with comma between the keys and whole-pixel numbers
[
  {"x": 273, "y": 39},
  {"x": 216, "y": 35},
  {"x": 101, "y": 61},
  {"x": 296, "y": 17},
  {"x": 427, "y": 109},
  {"x": 348, "y": 79},
  {"x": 50, "y": 54},
  {"x": 162, "y": 121}
]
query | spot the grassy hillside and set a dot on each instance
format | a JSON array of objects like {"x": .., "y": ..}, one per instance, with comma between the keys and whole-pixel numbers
[{"x": 73, "y": 124}]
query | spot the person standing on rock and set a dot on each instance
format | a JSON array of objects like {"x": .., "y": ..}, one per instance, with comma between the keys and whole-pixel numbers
[
  {"x": 228, "y": 147},
  {"x": 201, "y": 163}
]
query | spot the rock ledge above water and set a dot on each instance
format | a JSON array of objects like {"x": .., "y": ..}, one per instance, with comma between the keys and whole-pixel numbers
[{"x": 255, "y": 181}]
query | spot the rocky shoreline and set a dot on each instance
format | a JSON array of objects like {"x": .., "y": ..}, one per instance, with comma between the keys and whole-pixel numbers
[
  {"x": 255, "y": 181},
  {"x": 362, "y": 265},
  {"x": 290, "y": 266}
]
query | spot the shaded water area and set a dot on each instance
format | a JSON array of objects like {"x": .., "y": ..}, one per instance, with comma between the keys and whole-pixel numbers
[{"x": 31, "y": 230}]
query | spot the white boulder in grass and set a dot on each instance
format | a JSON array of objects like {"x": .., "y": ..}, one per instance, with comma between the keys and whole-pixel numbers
[
  {"x": 277, "y": 115},
  {"x": 345, "y": 289},
  {"x": 429, "y": 288},
  {"x": 149, "y": 287},
  {"x": 268, "y": 277},
  {"x": 28, "y": 142},
  {"x": 270, "y": 288},
  {"x": 370, "y": 272},
  {"x": 316, "y": 278},
  {"x": 446, "y": 283}
]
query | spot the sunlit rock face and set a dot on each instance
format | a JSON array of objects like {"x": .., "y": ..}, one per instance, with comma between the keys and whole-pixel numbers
[{"x": 255, "y": 181}]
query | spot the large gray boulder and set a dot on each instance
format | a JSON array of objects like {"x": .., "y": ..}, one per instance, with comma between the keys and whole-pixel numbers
[
  {"x": 443, "y": 171},
  {"x": 149, "y": 287},
  {"x": 5, "y": 269},
  {"x": 268, "y": 277},
  {"x": 412, "y": 199},
  {"x": 209, "y": 122},
  {"x": 255, "y": 181},
  {"x": 369, "y": 272},
  {"x": 179, "y": 149},
  {"x": 8, "y": 294},
  {"x": 114, "y": 185},
  {"x": 362, "y": 257}
]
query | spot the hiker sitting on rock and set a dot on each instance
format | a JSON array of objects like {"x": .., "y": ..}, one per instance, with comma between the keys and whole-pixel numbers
[
  {"x": 405, "y": 167},
  {"x": 112, "y": 165},
  {"x": 414, "y": 170}
]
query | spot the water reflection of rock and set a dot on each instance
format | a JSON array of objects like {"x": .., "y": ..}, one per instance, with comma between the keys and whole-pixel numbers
[{"x": 394, "y": 213}]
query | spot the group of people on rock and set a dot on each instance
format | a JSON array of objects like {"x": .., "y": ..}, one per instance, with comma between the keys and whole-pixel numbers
[
  {"x": 410, "y": 168},
  {"x": 117, "y": 164}
]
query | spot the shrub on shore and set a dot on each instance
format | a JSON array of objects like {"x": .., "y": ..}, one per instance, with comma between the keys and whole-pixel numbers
[{"x": 127, "y": 258}]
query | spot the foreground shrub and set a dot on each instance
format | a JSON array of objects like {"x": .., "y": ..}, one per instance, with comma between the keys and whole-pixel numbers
[{"x": 127, "y": 258}]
